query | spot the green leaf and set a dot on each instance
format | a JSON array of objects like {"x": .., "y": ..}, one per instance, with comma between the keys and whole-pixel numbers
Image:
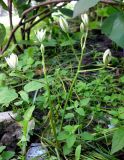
[
  {"x": 84, "y": 102},
  {"x": 66, "y": 11},
  {"x": 62, "y": 136},
  {"x": 83, "y": 6},
  {"x": 3, "y": 4},
  {"x": 113, "y": 27},
  {"x": 66, "y": 150},
  {"x": 50, "y": 43},
  {"x": 32, "y": 86},
  {"x": 78, "y": 152},
  {"x": 121, "y": 113},
  {"x": 28, "y": 114},
  {"x": 8, "y": 155},
  {"x": 2, "y": 148},
  {"x": 21, "y": 5},
  {"x": 118, "y": 140},
  {"x": 7, "y": 95},
  {"x": 71, "y": 129},
  {"x": 2, "y": 33},
  {"x": 87, "y": 136},
  {"x": 71, "y": 140},
  {"x": 69, "y": 115},
  {"x": 80, "y": 111},
  {"x": 121, "y": 79},
  {"x": 24, "y": 96}
]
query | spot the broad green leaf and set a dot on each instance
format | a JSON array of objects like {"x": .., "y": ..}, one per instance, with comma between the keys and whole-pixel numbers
[
  {"x": 2, "y": 148},
  {"x": 24, "y": 96},
  {"x": 85, "y": 101},
  {"x": 66, "y": 150},
  {"x": 50, "y": 43},
  {"x": 80, "y": 111},
  {"x": 83, "y": 6},
  {"x": 71, "y": 140},
  {"x": 71, "y": 129},
  {"x": 113, "y": 27},
  {"x": 78, "y": 152},
  {"x": 21, "y": 5},
  {"x": 32, "y": 86},
  {"x": 8, "y": 155},
  {"x": 28, "y": 113},
  {"x": 28, "y": 126},
  {"x": 62, "y": 136},
  {"x": 121, "y": 79},
  {"x": 7, "y": 95},
  {"x": 66, "y": 11},
  {"x": 121, "y": 113},
  {"x": 69, "y": 115},
  {"x": 2, "y": 33},
  {"x": 3, "y": 4},
  {"x": 87, "y": 136},
  {"x": 118, "y": 140}
]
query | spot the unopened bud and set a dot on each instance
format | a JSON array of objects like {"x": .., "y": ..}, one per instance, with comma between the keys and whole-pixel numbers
[
  {"x": 82, "y": 27},
  {"x": 41, "y": 35},
  {"x": 12, "y": 60},
  {"x": 107, "y": 57},
  {"x": 85, "y": 19},
  {"x": 63, "y": 24}
]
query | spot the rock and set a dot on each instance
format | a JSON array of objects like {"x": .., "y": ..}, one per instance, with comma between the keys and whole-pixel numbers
[
  {"x": 7, "y": 117},
  {"x": 11, "y": 136},
  {"x": 37, "y": 150}
]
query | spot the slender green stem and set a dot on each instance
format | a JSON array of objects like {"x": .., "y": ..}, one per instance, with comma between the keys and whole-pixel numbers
[
  {"x": 72, "y": 47},
  {"x": 49, "y": 100},
  {"x": 76, "y": 75}
]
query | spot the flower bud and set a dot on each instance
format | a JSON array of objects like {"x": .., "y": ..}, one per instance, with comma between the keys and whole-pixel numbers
[
  {"x": 107, "y": 57},
  {"x": 63, "y": 24},
  {"x": 85, "y": 19},
  {"x": 82, "y": 27},
  {"x": 42, "y": 48},
  {"x": 12, "y": 60},
  {"x": 41, "y": 35}
]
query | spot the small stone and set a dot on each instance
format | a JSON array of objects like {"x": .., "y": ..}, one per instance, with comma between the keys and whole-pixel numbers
[{"x": 37, "y": 150}]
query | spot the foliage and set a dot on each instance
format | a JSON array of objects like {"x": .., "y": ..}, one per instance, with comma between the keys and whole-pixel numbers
[
  {"x": 5, "y": 155},
  {"x": 77, "y": 107},
  {"x": 2, "y": 33}
]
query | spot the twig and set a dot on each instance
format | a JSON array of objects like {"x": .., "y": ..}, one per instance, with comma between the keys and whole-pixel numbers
[
  {"x": 35, "y": 7},
  {"x": 11, "y": 23},
  {"x": 33, "y": 17},
  {"x": 24, "y": 14}
]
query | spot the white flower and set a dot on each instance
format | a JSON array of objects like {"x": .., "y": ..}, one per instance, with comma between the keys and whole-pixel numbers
[
  {"x": 42, "y": 48},
  {"x": 12, "y": 60},
  {"x": 82, "y": 27},
  {"x": 107, "y": 57},
  {"x": 41, "y": 35},
  {"x": 85, "y": 19},
  {"x": 63, "y": 24}
]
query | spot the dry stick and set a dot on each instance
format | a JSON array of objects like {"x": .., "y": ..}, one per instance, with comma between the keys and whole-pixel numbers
[
  {"x": 24, "y": 14},
  {"x": 11, "y": 23},
  {"x": 33, "y": 24},
  {"x": 31, "y": 21},
  {"x": 45, "y": 16},
  {"x": 33, "y": 17},
  {"x": 108, "y": 2},
  {"x": 28, "y": 11}
]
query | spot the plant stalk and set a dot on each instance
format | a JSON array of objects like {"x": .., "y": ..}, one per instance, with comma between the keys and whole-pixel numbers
[{"x": 76, "y": 75}]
